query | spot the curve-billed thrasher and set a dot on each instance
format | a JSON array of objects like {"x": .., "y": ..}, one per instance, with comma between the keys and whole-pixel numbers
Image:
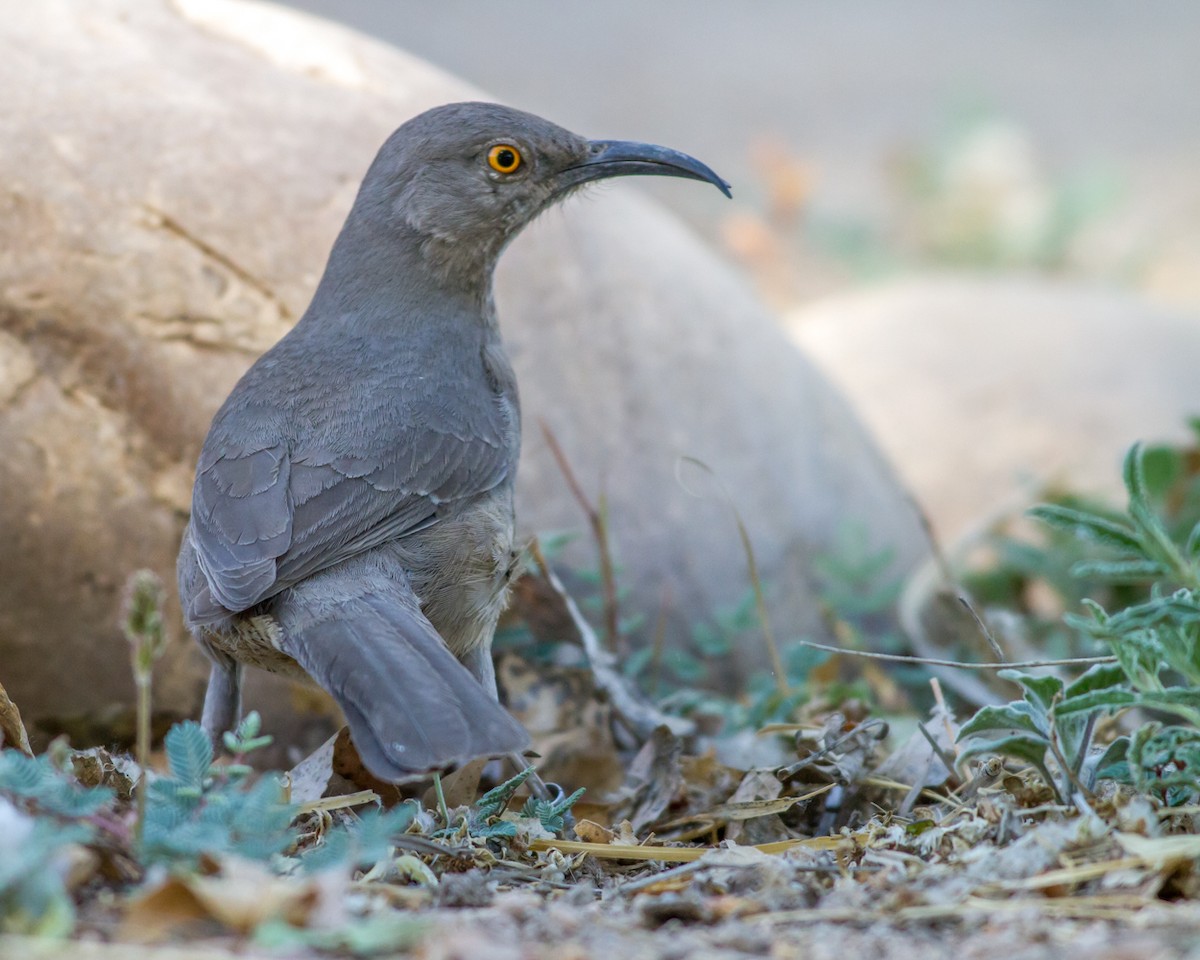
[{"x": 352, "y": 516}]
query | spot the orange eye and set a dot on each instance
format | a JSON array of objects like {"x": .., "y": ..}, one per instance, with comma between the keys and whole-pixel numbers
[{"x": 504, "y": 158}]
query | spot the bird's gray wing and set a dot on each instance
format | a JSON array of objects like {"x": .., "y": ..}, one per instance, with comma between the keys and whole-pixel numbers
[
  {"x": 241, "y": 509},
  {"x": 282, "y": 493}
]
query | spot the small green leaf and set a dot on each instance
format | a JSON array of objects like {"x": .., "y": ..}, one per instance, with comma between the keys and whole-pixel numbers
[
  {"x": 1091, "y": 525},
  {"x": 1031, "y": 749},
  {"x": 1095, "y": 700},
  {"x": 551, "y": 813},
  {"x": 1039, "y": 691},
  {"x": 189, "y": 753},
  {"x": 1101, "y": 676},
  {"x": 1184, "y": 703},
  {"x": 500, "y": 830},
  {"x": 495, "y": 801},
  {"x": 1119, "y": 571},
  {"x": 37, "y": 779},
  {"x": 1113, "y": 764},
  {"x": 1019, "y": 715},
  {"x": 1193, "y": 543}
]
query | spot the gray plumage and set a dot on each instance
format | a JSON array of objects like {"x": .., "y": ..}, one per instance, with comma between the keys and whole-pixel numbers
[{"x": 352, "y": 512}]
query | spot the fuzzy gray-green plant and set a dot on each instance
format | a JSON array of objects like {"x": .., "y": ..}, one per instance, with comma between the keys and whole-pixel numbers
[
  {"x": 1155, "y": 644},
  {"x": 202, "y": 809},
  {"x": 42, "y": 813}
]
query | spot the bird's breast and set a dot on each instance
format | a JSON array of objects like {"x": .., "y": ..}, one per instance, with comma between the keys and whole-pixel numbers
[{"x": 461, "y": 569}]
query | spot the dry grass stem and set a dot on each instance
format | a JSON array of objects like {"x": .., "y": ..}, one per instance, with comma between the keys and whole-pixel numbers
[
  {"x": 598, "y": 522},
  {"x": 933, "y": 662}
]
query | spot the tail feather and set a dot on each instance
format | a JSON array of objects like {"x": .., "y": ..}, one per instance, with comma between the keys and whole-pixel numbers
[{"x": 411, "y": 705}]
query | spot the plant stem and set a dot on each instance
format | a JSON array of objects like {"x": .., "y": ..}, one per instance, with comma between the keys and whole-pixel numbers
[
  {"x": 441, "y": 797},
  {"x": 597, "y": 518},
  {"x": 142, "y": 679},
  {"x": 760, "y": 600}
]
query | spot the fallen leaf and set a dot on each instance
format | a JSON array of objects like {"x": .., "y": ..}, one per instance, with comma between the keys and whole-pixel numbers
[
  {"x": 96, "y": 767},
  {"x": 916, "y": 763},
  {"x": 347, "y": 763},
  {"x": 756, "y": 796},
  {"x": 168, "y": 909},
  {"x": 309, "y": 780},
  {"x": 12, "y": 730},
  {"x": 590, "y": 832},
  {"x": 570, "y": 725},
  {"x": 460, "y": 787},
  {"x": 654, "y": 778},
  {"x": 241, "y": 897}
]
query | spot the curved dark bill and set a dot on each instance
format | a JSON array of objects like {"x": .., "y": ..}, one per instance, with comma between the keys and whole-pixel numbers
[{"x": 625, "y": 158}]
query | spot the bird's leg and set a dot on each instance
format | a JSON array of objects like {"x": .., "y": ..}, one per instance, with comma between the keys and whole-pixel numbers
[
  {"x": 223, "y": 699},
  {"x": 479, "y": 662}
]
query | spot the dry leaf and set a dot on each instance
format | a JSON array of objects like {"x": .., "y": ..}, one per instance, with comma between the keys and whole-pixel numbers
[
  {"x": 654, "y": 779},
  {"x": 755, "y": 796},
  {"x": 570, "y": 726},
  {"x": 309, "y": 780},
  {"x": 245, "y": 894},
  {"x": 239, "y": 898},
  {"x": 460, "y": 787},
  {"x": 12, "y": 730},
  {"x": 347, "y": 763},
  {"x": 166, "y": 910},
  {"x": 915, "y": 762},
  {"x": 590, "y": 832},
  {"x": 97, "y": 767}
]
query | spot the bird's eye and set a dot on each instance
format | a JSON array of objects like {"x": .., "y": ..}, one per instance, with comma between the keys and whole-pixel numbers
[{"x": 504, "y": 158}]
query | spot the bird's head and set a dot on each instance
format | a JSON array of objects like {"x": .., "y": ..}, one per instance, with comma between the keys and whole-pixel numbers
[{"x": 467, "y": 177}]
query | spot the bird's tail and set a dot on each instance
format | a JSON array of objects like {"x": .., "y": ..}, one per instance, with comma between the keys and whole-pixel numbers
[{"x": 412, "y": 707}]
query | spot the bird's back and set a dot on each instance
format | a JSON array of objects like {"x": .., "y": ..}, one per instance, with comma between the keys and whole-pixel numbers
[{"x": 333, "y": 444}]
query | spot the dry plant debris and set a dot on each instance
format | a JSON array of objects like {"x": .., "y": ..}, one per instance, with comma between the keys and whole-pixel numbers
[{"x": 1061, "y": 824}]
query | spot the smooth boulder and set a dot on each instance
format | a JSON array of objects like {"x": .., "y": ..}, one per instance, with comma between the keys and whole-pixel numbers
[
  {"x": 171, "y": 177},
  {"x": 984, "y": 392}
]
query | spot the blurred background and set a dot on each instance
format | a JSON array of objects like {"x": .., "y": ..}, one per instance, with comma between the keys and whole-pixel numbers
[
  {"x": 975, "y": 228},
  {"x": 869, "y": 139}
]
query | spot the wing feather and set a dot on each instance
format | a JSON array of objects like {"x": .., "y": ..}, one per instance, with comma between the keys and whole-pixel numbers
[{"x": 283, "y": 492}]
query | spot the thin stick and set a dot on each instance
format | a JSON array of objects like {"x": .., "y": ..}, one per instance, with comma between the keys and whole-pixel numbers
[
  {"x": 983, "y": 627},
  {"x": 441, "y": 798},
  {"x": 598, "y": 521},
  {"x": 641, "y": 717},
  {"x": 760, "y": 601},
  {"x": 142, "y": 681},
  {"x": 663, "y": 876},
  {"x": 622, "y": 851},
  {"x": 660, "y": 638},
  {"x": 931, "y": 662},
  {"x": 142, "y": 624},
  {"x": 947, "y": 760},
  {"x": 935, "y": 545},
  {"x": 940, "y": 700}
]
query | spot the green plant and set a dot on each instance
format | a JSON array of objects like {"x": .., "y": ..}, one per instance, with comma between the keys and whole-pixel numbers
[
  {"x": 366, "y": 840},
  {"x": 1155, "y": 643},
  {"x": 205, "y": 809},
  {"x": 33, "y": 898},
  {"x": 43, "y": 812},
  {"x": 46, "y": 789},
  {"x": 484, "y": 819},
  {"x": 143, "y": 628},
  {"x": 551, "y": 813}
]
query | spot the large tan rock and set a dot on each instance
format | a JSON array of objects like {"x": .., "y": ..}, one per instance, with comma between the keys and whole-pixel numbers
[
  {"x": 984, "y": 392},
  {"x": 171, "y": 178}
]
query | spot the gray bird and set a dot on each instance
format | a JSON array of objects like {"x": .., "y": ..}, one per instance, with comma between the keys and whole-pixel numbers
[{"x": 352, "y": 515}]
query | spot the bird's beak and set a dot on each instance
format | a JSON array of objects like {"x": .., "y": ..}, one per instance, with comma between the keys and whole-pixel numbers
[{"x": 624, "y": 158}]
